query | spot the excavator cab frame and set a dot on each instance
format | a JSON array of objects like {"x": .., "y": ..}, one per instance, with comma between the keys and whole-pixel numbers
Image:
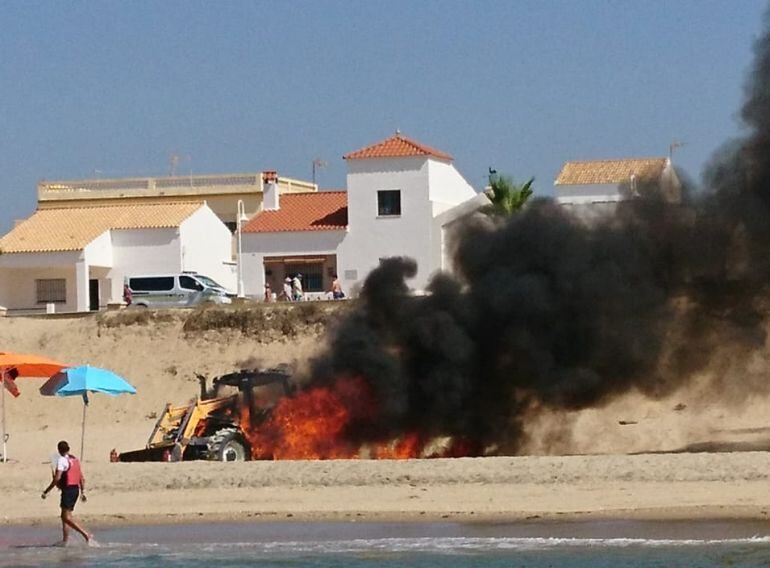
[{"x": 209, "y": 426}]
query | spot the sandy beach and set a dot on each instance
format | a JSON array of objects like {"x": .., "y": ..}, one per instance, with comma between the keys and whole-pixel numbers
[
  {"x": 585, "y": 464},
  {"x": 664, "y": 486}
]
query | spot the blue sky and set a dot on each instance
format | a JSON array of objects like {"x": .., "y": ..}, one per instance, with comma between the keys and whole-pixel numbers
[{"x": 114, "y": 89}]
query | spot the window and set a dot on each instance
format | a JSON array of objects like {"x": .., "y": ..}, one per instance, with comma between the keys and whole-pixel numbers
[
  {"x": 205, "y": 280},
  {"x": 152, "y": 284},
  {"x": 312, "y": 276},
  {"x": 314, "y": 279},
  {"x": 189, "y": 283},
  {"x": 53, "y": 290},
  {"x": 389, "y": 202}
]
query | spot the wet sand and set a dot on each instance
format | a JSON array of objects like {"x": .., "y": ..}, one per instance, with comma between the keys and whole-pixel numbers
[{"x": 273, "y": 532}]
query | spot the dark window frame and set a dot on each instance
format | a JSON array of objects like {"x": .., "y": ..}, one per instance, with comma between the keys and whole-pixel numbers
[
  {"x": 195, "y": 286},
  {"x": 389, "y": 203}
]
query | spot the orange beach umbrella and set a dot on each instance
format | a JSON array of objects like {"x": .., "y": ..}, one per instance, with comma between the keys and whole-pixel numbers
[{"x": 25, "y": 365}]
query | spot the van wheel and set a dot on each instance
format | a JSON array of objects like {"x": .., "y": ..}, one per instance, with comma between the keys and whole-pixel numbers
[{"x": 226, "y": 445}]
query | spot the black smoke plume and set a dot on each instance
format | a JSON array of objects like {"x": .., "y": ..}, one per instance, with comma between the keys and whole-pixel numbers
[{"x": 544, "y": 310}]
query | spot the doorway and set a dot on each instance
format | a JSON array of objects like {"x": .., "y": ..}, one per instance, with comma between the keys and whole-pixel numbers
[{"x": 93, "y": 295}]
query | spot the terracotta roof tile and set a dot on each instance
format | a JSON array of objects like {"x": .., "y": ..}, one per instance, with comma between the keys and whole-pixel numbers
[
  {"x": 610, "y": 171},
  {"x": 397, "y": 146},
  {"x": 72, "y": 229},
  {"x": 316, "y": 211}
]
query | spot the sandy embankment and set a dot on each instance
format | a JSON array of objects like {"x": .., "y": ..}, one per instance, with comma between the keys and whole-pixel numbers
[{"x": 160, "y": 360}]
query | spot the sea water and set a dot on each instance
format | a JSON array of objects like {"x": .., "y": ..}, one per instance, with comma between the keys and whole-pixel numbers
[{"x": 417, "y": 545}]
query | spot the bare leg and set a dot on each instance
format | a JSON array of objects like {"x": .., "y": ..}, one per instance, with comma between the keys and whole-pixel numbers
[
  {"x": 68, "y": 520},
  {"x": 65, "y": 531}
]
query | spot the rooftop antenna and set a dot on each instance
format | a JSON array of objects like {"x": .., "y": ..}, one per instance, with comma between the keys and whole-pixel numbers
[
  {"x": 173, "y": 161},
  {"x": 318, "y": 163},
  {"x": 673, "y": 146}
]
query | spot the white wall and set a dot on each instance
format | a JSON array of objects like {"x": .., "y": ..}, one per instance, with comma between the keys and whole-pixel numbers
[
  {"x": 448, "y": 221},
  {"x": 256, "y": 246},
  {"x": 143, "y": 251},
  {"x": 18, "y": 273},
  {"x": 99, "y": 251},
  {"x": 5, "y": 288},
  {"x": 371, "y": 237},
  {"x": 591, "y": 213},
  {"x": 578, "y": 194},
  {"x": 206, "y": 247},
  {"x": 447, "y": 186},
  {"x": 146, "y": 251}
]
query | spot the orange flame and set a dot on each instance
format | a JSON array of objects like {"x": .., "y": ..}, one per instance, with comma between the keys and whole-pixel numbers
[
  {"x": 311, "y": 424},
  {"x": 405, "y": 447},
  {"x": 315, "y": 424}
]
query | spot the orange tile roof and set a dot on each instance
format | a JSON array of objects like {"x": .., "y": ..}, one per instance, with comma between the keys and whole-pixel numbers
[
  {"x": 397, "y": 146},
  {"x": 72, "y": 229},
  {"x": 316, "y": 211},
  {"x": 610, "y": 171}
]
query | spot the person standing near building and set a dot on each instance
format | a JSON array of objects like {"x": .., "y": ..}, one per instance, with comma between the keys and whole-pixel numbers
[
  {"x": 70, "y": 481},
  {"x": 337, "y": 292},
  {"x": 127, "y": 294},
  {"x": 287, "y": 292},
  {"x": 296, "y": 285}
]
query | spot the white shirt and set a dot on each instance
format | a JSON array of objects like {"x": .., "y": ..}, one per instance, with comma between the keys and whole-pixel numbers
[{"x": 62, "y": 463}]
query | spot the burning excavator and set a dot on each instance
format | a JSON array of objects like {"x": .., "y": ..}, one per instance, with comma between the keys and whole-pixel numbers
[
  {"x": 262, "y": 415},
  {"x": 219, "y": 424}
]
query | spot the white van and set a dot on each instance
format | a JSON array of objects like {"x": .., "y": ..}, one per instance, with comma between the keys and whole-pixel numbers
[{"x": 183, "y": 290}]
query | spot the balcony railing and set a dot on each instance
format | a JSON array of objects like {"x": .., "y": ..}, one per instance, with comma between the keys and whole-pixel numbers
[{"x": 181, "y": 185}]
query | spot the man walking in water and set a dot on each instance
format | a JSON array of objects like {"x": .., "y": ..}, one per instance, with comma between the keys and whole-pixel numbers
[{"x": 69, "y": 479}]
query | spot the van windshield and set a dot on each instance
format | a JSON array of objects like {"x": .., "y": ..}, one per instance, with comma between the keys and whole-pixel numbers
[{"x": 207, "y": 281}]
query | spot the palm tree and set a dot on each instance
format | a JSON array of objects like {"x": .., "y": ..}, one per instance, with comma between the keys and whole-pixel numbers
[{"x": 506, "y": 196}]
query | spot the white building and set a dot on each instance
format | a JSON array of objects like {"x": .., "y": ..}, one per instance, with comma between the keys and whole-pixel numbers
[
  {"x": 596, "y": 186},
  {"x": 299, "y": 233},
  {"x": 401, "y": 196},
  {"x": 77, "y": 257}
]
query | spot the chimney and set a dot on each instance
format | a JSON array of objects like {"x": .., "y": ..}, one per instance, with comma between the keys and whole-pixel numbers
[{"x": 270, "y": 197}]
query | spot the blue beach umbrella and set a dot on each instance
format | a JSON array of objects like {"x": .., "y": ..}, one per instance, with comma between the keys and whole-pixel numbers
[{"x": 79, "y": 381}]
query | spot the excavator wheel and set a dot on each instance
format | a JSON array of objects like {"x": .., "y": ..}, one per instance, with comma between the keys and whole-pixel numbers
[{"x": 226, "y": 445}]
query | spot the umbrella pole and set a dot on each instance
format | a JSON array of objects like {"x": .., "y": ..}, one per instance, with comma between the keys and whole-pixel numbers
[
  {"x": 5, "y": 444},
  {"x": 83, "y": 431}
]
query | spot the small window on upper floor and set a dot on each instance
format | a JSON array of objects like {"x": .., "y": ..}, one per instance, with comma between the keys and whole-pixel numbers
[{"x": 389, "y": 203}]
